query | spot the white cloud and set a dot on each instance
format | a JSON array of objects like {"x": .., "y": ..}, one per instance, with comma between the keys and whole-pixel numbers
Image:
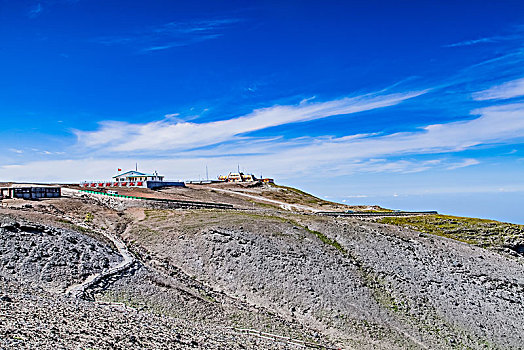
[
  {"x": 510, "y": 89},
  {"x": 11, "y": 166},
  {"x": 495, "y": 124},
  {"x": 330, "y": 157},
  {"x": 516, "y": 35},
  {"x": 285, "y": 159},
  {"x": 315, "y": 158},
  {"x": 176, "y": 135},
  {"x": 473, "y": 42},
  {"x": 171, "y": 35},
  {"x": 464, "y": 163}
]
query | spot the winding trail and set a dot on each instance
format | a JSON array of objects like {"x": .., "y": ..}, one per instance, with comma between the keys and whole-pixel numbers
[
  {"x": 283, "y": 205},
  {"x": 79, "y": 290}
]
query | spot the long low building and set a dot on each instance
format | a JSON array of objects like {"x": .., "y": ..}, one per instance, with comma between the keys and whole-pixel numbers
[{"x": 30, "y": 192}]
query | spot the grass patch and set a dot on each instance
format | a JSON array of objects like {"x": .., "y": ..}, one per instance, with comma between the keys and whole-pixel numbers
[
  {"x": 301, "y": 197},
  {"x": 80, "y": 228},
  {"x": 89, "y": 218},
  {"x": 156, "y": 213},
  {"x": 480, "y": 232},
  {"x": 325, "y": 239},
  {"x": 261, "y": 216}
]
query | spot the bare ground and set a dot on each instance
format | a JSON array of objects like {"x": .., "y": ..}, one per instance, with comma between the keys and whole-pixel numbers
[{"x": 204, "y": 273}]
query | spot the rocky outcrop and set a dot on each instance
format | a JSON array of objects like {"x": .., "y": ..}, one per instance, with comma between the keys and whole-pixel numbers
[{"x": 50, "y": 257}]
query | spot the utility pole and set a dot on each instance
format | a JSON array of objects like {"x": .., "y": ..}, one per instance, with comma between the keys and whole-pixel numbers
[{"x": 207, "y": 174}]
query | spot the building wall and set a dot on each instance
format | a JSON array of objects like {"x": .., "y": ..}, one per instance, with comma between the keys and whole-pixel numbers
[
  {"x": 31, "y": 192},
  {"x": 159, "y": 184}
]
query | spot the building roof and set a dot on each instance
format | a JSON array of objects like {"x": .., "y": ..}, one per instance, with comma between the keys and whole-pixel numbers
[{"x": 134, "y": 173}]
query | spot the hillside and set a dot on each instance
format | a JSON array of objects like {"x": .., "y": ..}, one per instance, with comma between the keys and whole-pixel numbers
[{"x": 198, "y": 278}]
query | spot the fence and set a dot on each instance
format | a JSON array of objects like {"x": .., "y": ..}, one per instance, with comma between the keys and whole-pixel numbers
[
  {"x": 374, "y": 213},
  {"x": 169, "y": 202}
]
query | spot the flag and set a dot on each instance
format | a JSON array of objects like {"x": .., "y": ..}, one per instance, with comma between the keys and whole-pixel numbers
[{"x": 119, "y": 169}]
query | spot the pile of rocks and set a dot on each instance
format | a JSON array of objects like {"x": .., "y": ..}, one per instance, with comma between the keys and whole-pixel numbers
[{"x": 50, "y": 257}]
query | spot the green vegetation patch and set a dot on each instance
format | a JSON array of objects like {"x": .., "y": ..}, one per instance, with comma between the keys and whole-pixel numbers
[
  {"x": 323, "y": 238},
  {"x": 480, "y": 232},
  {"x": 326, "y": 240},
  {"x": 300, "y": 197}
]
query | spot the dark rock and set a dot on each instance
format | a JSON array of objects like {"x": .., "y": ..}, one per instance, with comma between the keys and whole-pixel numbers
[{"x": 6, "y": 298}]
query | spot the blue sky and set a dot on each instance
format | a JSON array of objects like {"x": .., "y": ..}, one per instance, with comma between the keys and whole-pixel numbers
[{"x": 410, "y": 105}]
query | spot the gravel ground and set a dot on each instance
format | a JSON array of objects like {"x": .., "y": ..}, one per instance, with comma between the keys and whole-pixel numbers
[
  {"x": 50, "y": 257},
  {"x": 31, "y": 318},
  {"x": 337, "y": 281},
  {"x": 364, "y": 284},
  {"x": 158, "y": 307}
]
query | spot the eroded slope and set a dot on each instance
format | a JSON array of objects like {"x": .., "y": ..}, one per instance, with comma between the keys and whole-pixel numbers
[{"x": 365, "y": 284}]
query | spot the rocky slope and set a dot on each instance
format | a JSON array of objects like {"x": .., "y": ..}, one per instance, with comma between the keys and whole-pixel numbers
[
  {"x": 49, "y": 257},
  {"x": 363, "y": 283},
  {"x": 202, "y": 275},
  {"x": 32, "y": 318}
]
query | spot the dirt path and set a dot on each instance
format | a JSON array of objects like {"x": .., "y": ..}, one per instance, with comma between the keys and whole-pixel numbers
[
  {"x": 283, "y": 205},
  {"x": 79, "y": 290}
]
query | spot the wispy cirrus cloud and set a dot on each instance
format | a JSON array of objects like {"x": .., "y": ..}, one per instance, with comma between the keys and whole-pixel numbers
[
  {"x": 515, "y": 35},
  {"x": 335, "y": 156},
  {"x": 407, "y": 166},
  {"x": 496, "y": 124},
  {"x": 35, "y": 10},
  {"x": 229, "y": 140},
  {"x": 38, "y": 7},
  {"x": 226, "y": 142},
  {"x": 171, "y": 34},
  {"x": 168, "y": 135},
  {"x": 507, "y": 90},
  {"x": 464, "y": 163},
  {"x": 474, "y": 42}
]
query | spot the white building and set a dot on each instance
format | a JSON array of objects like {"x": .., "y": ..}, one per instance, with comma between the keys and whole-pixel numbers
[
  {"x": 133, "y": 178},
  {"x": 136, "y": 176}
]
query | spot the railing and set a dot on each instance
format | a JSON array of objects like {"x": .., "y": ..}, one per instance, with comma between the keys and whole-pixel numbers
[
  {"x": 98, "y": 184},
  {"x": 375, "y": 213},
  {"x": 174, "y": 202}
]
